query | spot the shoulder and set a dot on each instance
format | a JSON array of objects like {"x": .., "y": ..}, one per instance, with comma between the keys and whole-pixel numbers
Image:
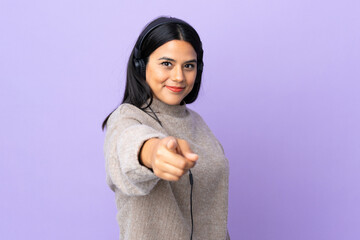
[
  {"x": 126, "y": 112},
  {"x": 195, "y": 115},
  {"x": 199, "y": 120}
]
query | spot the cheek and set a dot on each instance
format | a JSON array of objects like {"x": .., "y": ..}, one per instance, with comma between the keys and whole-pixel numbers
[
  {"x": 191, "y": 83},
  {"x": 156, "y": 76},
  {"x": 191, "y": 78},
  {"x": 152, "y": 76}
]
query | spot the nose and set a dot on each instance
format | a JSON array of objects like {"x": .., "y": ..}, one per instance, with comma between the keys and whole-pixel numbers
[{"x": 177, "y": 74}]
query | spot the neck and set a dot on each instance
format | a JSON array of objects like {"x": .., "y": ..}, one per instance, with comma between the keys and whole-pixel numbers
[{"x": 159, "y": 106}]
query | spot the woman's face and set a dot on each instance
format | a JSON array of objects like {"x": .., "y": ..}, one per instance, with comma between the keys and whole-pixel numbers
[{"x": 171, "y": 71}]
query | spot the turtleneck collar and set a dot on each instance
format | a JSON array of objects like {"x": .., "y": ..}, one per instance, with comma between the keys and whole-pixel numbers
[{"x": 159, "y": 106}]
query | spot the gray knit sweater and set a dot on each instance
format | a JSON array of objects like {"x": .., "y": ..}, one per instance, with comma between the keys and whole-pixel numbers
[{"x": 150, "y": 208}]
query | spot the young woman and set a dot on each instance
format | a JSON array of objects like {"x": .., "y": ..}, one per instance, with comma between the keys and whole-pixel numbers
[{"x": 167, "y": 169}]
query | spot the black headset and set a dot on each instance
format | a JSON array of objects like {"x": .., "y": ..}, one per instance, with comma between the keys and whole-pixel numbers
[{"x": 139, "y": 62}]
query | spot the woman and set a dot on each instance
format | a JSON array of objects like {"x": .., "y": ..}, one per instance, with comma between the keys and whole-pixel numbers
[{"x": 153, "y": 139}]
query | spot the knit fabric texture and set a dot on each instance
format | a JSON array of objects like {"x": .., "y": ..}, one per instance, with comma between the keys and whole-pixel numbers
[{"x": 150, "y": 208}]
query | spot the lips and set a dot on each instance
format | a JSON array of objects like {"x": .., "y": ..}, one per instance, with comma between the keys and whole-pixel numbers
[{"x": 175, "y": 89}]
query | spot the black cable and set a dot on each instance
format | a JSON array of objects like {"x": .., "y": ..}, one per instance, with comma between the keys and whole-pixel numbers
[
  {"x": 156, "y": 117},
  {"x": 191, "y": 213}
]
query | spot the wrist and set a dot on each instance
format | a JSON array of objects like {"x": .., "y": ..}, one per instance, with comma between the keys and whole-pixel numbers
[{"x": 146, "y": 152}]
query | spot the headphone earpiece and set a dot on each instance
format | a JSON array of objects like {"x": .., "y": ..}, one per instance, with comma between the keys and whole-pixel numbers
[
  {"x": 200, "y": 67},
  {"x": 140, "y": 66}
]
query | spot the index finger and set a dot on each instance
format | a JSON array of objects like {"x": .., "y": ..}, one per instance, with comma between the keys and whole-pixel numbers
[{"x": 186, "y": 151}]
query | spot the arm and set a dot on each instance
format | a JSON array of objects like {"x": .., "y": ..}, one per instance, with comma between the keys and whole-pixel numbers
[
  {"x": 137, "y": 155},
  {"x": 124, "y": 138}
]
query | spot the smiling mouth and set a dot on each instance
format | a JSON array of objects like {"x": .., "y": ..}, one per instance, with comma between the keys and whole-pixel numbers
[{"x": 175, "y": 89}]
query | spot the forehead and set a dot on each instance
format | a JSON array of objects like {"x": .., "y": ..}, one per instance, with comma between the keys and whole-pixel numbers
[{"x": 175, "y": 49}]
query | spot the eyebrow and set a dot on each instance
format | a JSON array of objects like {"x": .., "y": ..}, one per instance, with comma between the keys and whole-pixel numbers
[{"x": 173, "y": 60}]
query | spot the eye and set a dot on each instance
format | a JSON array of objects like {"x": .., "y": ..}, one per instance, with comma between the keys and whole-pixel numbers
[
  {"x": 166, "y": 64},
  {"x": 189, "y": 66}
]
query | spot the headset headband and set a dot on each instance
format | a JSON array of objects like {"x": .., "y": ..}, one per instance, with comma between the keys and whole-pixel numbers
[{"x": 152, "y": 26}]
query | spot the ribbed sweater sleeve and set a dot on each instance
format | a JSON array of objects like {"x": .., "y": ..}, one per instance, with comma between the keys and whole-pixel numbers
[{"x": 123, "y": 141}]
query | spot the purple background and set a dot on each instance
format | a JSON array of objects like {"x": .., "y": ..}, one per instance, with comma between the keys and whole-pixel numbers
[{"x": 280, "y": 90}]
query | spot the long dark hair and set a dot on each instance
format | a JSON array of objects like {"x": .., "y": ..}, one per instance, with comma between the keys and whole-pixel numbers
[{"x": 137, "y": 91}]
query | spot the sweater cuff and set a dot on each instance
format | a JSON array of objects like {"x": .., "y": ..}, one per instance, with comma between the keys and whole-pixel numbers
[{"x": 129, "y": 144}]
